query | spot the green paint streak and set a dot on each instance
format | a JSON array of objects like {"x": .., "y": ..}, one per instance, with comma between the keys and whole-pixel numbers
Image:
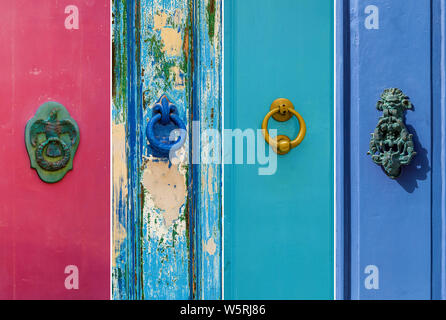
[
  {"x": 163, "y": 64},
  {"x": 210, "y": 18},
  {"x": 119, "y": 61}
]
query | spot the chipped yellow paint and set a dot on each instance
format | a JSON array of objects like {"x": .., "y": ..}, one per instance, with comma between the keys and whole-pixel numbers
[
  {"x": 172, "y": 41},
  {"x": 210, "y": 246},
  {"x": 160, "y": 20},
  {"x": 210, "y": 182},
  {"x": 119, "y": 185},
  {"x": 166, "y": 187},
  {"x": 119, "y": 158},
  {"x": 170, "y": 36}
]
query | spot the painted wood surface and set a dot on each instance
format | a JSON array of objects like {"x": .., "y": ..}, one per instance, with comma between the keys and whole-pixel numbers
[
  {"x": 439, "y": 150},
  {"x": 123, "y": 260},
  {"x": 278, "y": 228},
  {"x": 165, "y": 245},
  {"x": 392, "y": 230},
  {"x": 46, "y": 227},
  {"x": 207, "y": 173}
]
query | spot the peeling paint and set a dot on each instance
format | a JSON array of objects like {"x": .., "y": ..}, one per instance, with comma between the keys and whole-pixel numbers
[
  {"x": 207, "y": 230},
  {"x": 210, "y": 246},
  {"x": 165, "y": 244},
  {"x": 172, "y": 41},
  {"x": 217, "y": 34},
  {"x": 119, "y": 236},
  {"x": 167, "y": 188},
  {"x": 179, "y": 78},
  {"x": 121, "y": 252},
  {"x": 160, "y": 20},
  {"x": 119, "y": 60},
  {"x": 210, "y": 184},
  {"x": 170, "y": 34},
  {"x": 119, "y": 159},
  {"x": 166, "y": 41},
  {"x": 210, "y": 17}
]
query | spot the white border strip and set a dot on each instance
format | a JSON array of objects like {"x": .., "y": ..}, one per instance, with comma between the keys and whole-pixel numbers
[{"x": 222, "y": 258}]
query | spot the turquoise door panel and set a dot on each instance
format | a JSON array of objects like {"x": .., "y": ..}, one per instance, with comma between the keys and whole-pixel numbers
[{"x": 278, "y": 227}]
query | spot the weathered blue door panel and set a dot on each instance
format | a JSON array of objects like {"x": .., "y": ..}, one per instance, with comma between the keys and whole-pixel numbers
[
  {"x": 279, "y": 228},
  {"x": 166, "y": 210},
  {"x": 388, "y": 221}
]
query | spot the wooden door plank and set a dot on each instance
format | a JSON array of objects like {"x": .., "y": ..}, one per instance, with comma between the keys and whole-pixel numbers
[
  {"x": 166, "y": 213},
  {"x": 207, "y": 174},
  {"x": 122, "y": 261},
  {"x": 165, "y": 69},
  {"x": 413, "y": 216}
]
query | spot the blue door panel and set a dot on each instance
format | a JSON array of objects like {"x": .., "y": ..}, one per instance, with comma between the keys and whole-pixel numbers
[
  {"x": 279, "y": 228},
  {"x": 390, "y": 220}
]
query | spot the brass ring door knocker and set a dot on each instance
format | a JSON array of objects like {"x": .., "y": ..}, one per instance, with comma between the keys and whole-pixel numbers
[{"x": 283, "y": 110}]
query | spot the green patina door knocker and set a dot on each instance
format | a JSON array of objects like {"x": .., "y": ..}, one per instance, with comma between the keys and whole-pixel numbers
[
  {"x": 391, "y": 145},
  {"x": 51, "y": 138}
]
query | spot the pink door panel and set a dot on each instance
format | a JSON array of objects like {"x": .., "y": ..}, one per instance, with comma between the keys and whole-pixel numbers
[{"x": 55, "y": 238}]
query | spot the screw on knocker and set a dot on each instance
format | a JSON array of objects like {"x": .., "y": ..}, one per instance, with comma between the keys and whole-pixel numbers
[
  {"x": 391, "y": 145},
  {"x": 164, "y": 112}
]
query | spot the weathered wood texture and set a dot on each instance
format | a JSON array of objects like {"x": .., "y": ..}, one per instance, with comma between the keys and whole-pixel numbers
[
  {"x": 208, "y": 110},
  {"x": 122, "y": 261},
  {"x": 166, "y": 214}
]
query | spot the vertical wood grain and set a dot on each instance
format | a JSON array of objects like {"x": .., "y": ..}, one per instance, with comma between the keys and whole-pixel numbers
[
  {"x": 123, "y": 275},
  {"x": 165, "y": 69},
  {"x": 166, "y": 214},
  {"x": 208, "y": 110}
]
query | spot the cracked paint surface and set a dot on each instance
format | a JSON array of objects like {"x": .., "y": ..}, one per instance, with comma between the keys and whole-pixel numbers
[
  {"x": 210, "y": 246},
  {"x": 119, "y": 186},
  {"x": 121, "y": 283},
  {"x": 166, "y": 187},
  {"x": 172, "y": 245},
  {"x": 165, "y": 242},
  {"x": 208, "y": 89}
]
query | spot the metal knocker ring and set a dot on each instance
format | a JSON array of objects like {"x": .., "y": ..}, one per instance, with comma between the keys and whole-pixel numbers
[
  {"x": 165, "y": 112},
  {"x": 282, "y": 110}
]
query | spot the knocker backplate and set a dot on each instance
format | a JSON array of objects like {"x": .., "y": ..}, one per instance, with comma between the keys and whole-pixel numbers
[
  {"x": 51, "y": 139},
  {"x": 285, "y": 103}
]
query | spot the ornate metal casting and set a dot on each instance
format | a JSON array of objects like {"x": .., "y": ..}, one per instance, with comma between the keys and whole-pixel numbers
[
  {"x": 52, "y": 138},
  {"x": 391, "y": 145}
]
